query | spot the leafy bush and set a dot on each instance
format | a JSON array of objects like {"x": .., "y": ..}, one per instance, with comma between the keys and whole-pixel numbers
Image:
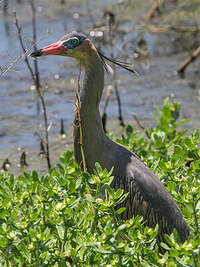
[{"x": 69, "y": 217}]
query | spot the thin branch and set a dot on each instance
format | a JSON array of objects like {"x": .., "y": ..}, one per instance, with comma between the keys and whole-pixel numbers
[
  {"x": 35, "y": 42},
  {"x": 42, "y": 149},
  {"x": 78, "y": 106},
  {"x": 46, "y": 128},
  {"x": 62, "y": 130},
  {"x": 104, "y": 116},
  {"x": 22, "y": 45},
  {"x": 5, "y": 69},
  {"x": 189, "y": 60},
  {"x": 119, "y": 104},
  {"x": 153, "y": 9},
  {"x": 115, "y": 76},
  {"x": 110, "y": 20},
  {"x": 141, "y": 126},
  {"x": 37, "y": 77},
  {"x": 22, "y": 161},
  {"x": 36, "y": 86}
]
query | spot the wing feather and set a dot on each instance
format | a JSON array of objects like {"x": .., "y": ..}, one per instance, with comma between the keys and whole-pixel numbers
[{"x": 149, "y": 198}]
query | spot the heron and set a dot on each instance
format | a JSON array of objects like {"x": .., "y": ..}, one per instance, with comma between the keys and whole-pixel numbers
[{"x": 147, "y": 196}]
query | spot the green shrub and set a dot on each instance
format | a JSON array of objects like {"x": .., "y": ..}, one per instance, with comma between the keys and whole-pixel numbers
[{"x": 69, "y": 217}]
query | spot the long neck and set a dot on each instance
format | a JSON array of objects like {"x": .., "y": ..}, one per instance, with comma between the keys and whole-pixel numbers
[
  {"x": 93, "y": 135},
  {"x": 93, "y": 83}
]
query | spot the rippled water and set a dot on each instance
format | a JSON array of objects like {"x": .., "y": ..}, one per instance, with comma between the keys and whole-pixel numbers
[{"x": 19, "y": 118}]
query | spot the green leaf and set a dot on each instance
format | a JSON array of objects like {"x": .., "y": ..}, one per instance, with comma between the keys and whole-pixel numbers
[
  {"x": 118, "y": 193},
  {"x": 109, "y": 252},
  {"x": 3, "y": 242},
  {"x": 61, "y": 231},
  {"x": 61, "y": 218},
  {"x": 120, "y": 210},
  {"x": 98, "y": 167},
  {"x": 165, "y": 246}
]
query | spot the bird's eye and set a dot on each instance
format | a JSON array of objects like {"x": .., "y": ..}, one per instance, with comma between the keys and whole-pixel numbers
[
  {"x": 71, "y": 43},
  {"x": 75, "y": 41}
]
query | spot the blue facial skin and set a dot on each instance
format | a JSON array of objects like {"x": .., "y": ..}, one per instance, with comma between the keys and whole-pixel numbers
[
  {"x": 73, "y": 39},
  {"x": 71, "y": 43}
]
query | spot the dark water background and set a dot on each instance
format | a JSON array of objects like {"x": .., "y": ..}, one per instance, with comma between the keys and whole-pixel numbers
[{"x": 19, "y": 118}]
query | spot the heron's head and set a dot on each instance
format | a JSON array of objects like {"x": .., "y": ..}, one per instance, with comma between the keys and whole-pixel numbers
[
  {"x": 75, "y": 45},
  {"x": 78, "y": 46}
]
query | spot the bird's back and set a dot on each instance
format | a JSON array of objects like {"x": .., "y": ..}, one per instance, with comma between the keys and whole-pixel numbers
[{"x": 147, "y": 196}]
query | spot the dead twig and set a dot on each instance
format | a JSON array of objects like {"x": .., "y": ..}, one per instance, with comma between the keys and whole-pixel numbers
[
  {"x": 104, "y": 115},
  {"x": 37, "y": 77},
  {"x": 78, "y": 107},
  {"x": 141, "y": 126},
  {"x": 36, "y": 83},
  {"x": 4, "y": 69},
  {"x": 189, "y": 60},
  {"x": 22, "y": 45},
  {"x": 110, "y": 18},
  {"x": 22, "y": 161},
  {"x": 42, "y": 149},
  {"x": 153, "y": 9},
  {"x": 62, "y": 130}
]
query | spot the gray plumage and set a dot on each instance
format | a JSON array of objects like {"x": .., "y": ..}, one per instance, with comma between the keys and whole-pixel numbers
[{"x": 147, "y": 195}]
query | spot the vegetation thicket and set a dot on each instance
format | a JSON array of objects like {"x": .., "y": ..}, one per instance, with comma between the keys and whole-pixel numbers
[{"x": 70, "y": 218}]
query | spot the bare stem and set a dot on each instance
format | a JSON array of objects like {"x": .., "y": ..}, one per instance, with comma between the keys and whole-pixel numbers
[
  {"x": 22, "y": 45},
  {"x": 80, "y": 122},
  {"x": 35, "y": 42},
  {"x": 37, "y": 77},
  {"x": 104, "y": 116},
  {"x": 152, "y": 11},
  {"x": 114, "y": 76},
  {"x": 36, "y": 86},
  {"x": 189, "y": 60},
  {"x": 141, "y": 126}
]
